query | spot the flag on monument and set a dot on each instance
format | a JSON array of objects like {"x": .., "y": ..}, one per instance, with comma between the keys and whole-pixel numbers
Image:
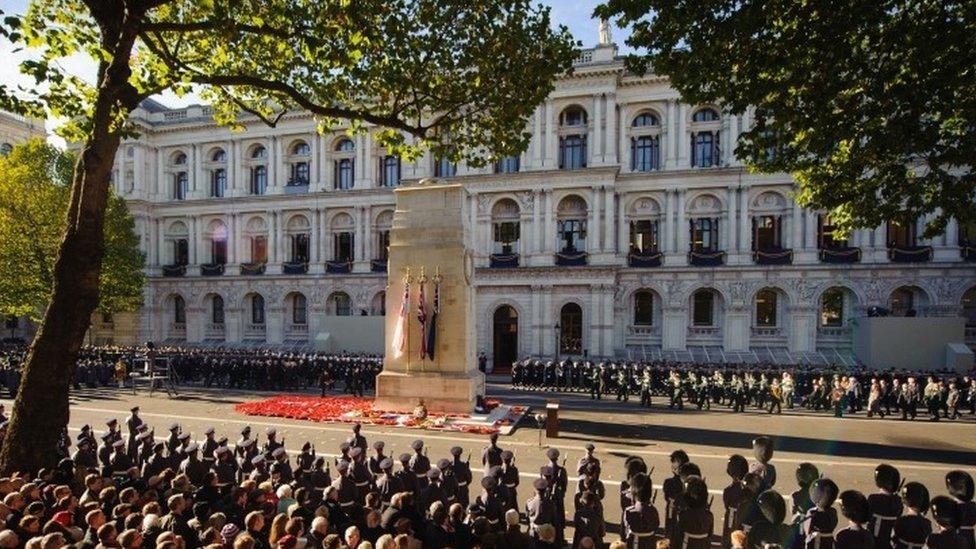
[
  {"x": 400, "y": 330},
  {"x": 422, "y": 318},
  {"x": 432, "y": 328}
]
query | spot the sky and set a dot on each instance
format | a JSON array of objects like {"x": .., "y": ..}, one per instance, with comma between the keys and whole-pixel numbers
[{"x": 575, "y": 14}]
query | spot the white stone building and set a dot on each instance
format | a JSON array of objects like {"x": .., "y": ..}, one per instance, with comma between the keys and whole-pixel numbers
[{"x": 628, "y": 227}]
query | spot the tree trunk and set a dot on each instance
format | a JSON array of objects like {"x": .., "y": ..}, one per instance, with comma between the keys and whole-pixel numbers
[{"x": 40, "y": 411}]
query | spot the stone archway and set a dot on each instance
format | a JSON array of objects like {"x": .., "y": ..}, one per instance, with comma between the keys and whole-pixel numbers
[{"x": 505, "y": 338}]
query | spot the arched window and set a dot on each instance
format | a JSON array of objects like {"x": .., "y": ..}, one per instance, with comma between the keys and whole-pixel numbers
[
  {"x": 179, "y": 159},
  {"x": 902, "y": 302},
  {"x": 180, "y": 183},
  {"x": 299, "y": 174},
  {"x": 340, "y": 304},
  {"x": 217, "y": 310},
  {"x": 343, "y": 238},
  {"x": 179, "y": 310},
  {"x": 390, "y": 170},
  {"x": 766, "y": 303},
  {"x": 384, "y": 222},
  {"x": 218, "y": 183},
  {"x": 257, "y": 309},
  {"x": 259, "y": 180},
  {"x": 571, "y": 225},
  {"x": 643, "y": 308},
  {"x": 703, "y": 308},
  {"x": 299, "y": 309},
  {"x": 969, "y": 307},
  {"x": 571, "y": 329},
  {"x": 379, "y": 304},
  {"x": 345, "y": 165},
  {"x": 259, "y": 152},
  {"x": 217, "y": 234},
  {"x": 705, "y": 115},
  {"x": 505, "y": 226},
  {"x": 704, "y": 149},
  {"x": 301, "y": 149},
  {"x": 645, "y": 120},
  {"x": 345, "y": 145},
  {"x": 298, "y": 232},
  {"x": 572, "y": 116},
  {"x": 832, "y": 308},
  {"x": 219, "y": 156}
]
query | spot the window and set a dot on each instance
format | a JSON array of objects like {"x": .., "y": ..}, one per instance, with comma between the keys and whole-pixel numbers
[
  {"x": 703, "y": 313},
  {"x": 572, "y": 152},
  {"x": 508, "y": 164},
  {"x": 643, "y": 237},
  {"x": 180, "y": 159},
  {"x": 383, "y": 245},
  {"x": 645, "y": 153},
  {"x": 443, "y": 167},
  {"x": 902, "y": 236},
  {"x": 704, "y": 235},
  {"x": 572, "y": 235},
  {"x": 645, "y": 120},
  {"x": 218, "y": 251},
  {"x": 969, "y": 307},
  {"x": 390, "y": 171},
  {"x": 825, "y": 234},
  {"x": 344, "y": 173},
  {"x": 180, "y": 183},
  {"x": 219, "y": 156},
  {"x": 766, "y": 231},
  {"x": 902, "y": 301},
  {"x": 218, "y": 183},
  {"x": 259, "y": 152},
  {"x": 6, "y": 149},
  {"x": 705, "y": 115},
  {"x": 346, "y": 145},
  {"x": 259, "y": 249},
  {"x": 301, "y": 149},
  {"x": 643, "y": 308},
  {"x": 299, "y": 248},
  {"x": 179, "y": 310},
  {"x": 571, "y": 329},
  {"x": 832, "y": 308},
  {"x": 506, "y": 237},
  {"x": 704, "y": 149},
  {"x": 259, "y": 180},
  {"x": 299, "y": 309},
  {"x": 341, "y": 304},
  {"x": 343, "y": 246},
  {"x": 181, "y": 251},
  {"x": 573, "y": 116},
  {"x": 217, "y": 310},
  {"x": 766, "y": 308},
  {"x": 257, "y": 309},
  {"x": 299, "y": 174}
]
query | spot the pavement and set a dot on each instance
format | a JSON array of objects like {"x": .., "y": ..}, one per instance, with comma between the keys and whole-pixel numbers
[{"x": 845, "y": 449}]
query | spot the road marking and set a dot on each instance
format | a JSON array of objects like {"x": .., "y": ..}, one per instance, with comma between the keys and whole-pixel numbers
[{"x": 427, "y": 436}]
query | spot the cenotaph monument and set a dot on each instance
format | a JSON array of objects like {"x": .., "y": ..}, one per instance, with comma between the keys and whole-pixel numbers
[{"x": 430, "y": 244}]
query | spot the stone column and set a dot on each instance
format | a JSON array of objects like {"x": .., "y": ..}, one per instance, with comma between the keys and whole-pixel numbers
[
  {"x": 161, "y": 258},
  {"x": 592, "y": 325},
  {"x": 233, "y": 238},
  {"x": 733, "y": 223},
  {"x": 233, "y": 323},
  {"x": 535, "y": 236},
  {"x": 160, "y": 189},
  {"x": 623, "y": 234},
  {"x": 607, "y": 349},
  {"x": 610, "y": 153},
  {"x": 367, "y": 246},
  {"x": 596, "y": 125},
  {"x": 274, "y": 254},
  {"x": 682, "y": 137},
  {"x": 538, "y": 138},
  {"x": 682, "y": 225},
  {"x": 733, "y": 139},
  {"x": 549, "y": 229},
  {"x": 671, "y": 135},
  {"x": 745, "y": 226},
  {"x": 609, "y": 215},
  {"x": 550, "y": 161},
  {"x": 593, "y": 222},
  {"x": 736, "y": 330}
]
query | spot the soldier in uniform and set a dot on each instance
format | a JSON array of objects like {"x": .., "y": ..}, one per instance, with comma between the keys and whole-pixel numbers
[
  {"x": 119, "y": 462},
  {"x": 173, "y": 441},
  {"x": 821, "y": 519},
  {"x": 492, "y": 455},
  {"x": 387, "y": 483},
  {"x": 419, "y": 465},
  {"x": 762, "y": 448},
  {"x": 587, "y": 459},
  {"x": 854, "y": 507},
  {"x": 557, "y": 489},
  {"x": 462, "y": 473},
  {"x": 272, "y": 443},
  {"x": 133, "y": 422},
  {"x": 239, "y": 447},
  {"x": 673, "y": 487},
  {"x": 209, "y": 447},
  {"x": 492, "y": 503},
  {"x": 281, "y": 464},
  {"x": 510, "y": 479},
  {"x": 431, "y": 493},
  {"x": 359, "y": 472},
  {"x": 346, "y": 489},
  {"x": 695, "y": 522},
  {"x": 960, "y": 487},
  {"x": 406, "y": 477},
  {"x": 192, "y": 466},
  {"x": 912, "y": 529},
  {"x": 945, "y": 513},
  {"x": 596, "y": 383},
  {"x": 225, "y": 467},
  {"x": 640, "y": 520},
  {"x": 769, "y": 530},
  {"x": 588, "y": 521},
  {"x": 155, "y": 464},
  {"x": 645, "y": 388},
  {"x": 733, "y": 496},
  {"x": 357, "y": 439},
  {"x": 677, "y": 390},
  {"x": 884, "y": 506},
  {"x": 540, "y": 509},
  {"x": 623, "y": 384},
  {"x": 374, "y": 461},
  {"x": 305, "y": 464}
]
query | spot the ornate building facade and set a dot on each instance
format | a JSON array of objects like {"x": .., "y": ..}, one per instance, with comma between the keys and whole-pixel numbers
[{"x": 627, "y": 228}]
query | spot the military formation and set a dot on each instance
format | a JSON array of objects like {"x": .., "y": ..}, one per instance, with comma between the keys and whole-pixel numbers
[
  {"x": 366, "y": 493},
  {"x": 941, "y": 395}
]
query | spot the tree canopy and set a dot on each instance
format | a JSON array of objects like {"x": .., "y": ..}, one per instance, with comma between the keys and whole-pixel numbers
[
  {"x": 870, "y": 104},
  {"x": 35, "y": 182}
]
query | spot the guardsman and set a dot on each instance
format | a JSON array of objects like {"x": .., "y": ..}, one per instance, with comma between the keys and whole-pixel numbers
[
  {"x": 960, "y": 486},
  {"x": 359, "y": 440},
  {"x": 695, "y": 520},
  {"x": 133, "y": 422},
  {"x": 225, "y": 468},
  {"x": 676, "y": 385},
  {"x": 462, "y": 472},
  {"x": 945, "y": 513},
  {"x": 491, "y": 502},
  {"x": 510, "y": 478},
  {"x": 587, "y": 459},
  {"x": 540, "y": 509},
  {"x": 281, "y": 464},
  {"x": 673, "y": 487},
  {"x": 448, "y": 481},
  {"x": 173, "y": 441},
  {"x": 120, "y": 462},
  {"x": 762, "y": 448},
  {"x": 305, "y": 463},
  {"x": 430, "y": 493},
  {"x": 492, "y": 456},
  {"x": 560, "y": 481},
  {"x": 83, "y": 456},
  {"x": 596, "y": 382},
  {"x": 854, "y": 507},
  {"x": 733, "y": 496},
  {"x": 407, "y": 479},
  {"x": 419, "y": 465},
  {"x": 770, "y": 530},
  {"x": 192, "y": 467},
  {"x": 913, "y": 528},
  {"x": 821, "y": 519},
  {"x": 359, "y": 472},
  {"x": 377, "y": 459},
  {"x": 319, "y": 479},
  {"x": 155, "y": 464},
  {"x": 209, "y": 447},
  {"x": 623, "y": 384},
  {"x": 345, "y": 488},
  {"x": 885, "y": 505},
  {"x": 640, "y": 520},
  {"x": 387, "y": 483},
  {"x": 272, "y": 443},
  {"x": 645, "y": 388},
  {"x": 239, "y": 447}
]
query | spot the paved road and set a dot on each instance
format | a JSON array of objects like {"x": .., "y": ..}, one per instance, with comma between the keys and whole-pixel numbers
[{"x": 845, "y": 449}]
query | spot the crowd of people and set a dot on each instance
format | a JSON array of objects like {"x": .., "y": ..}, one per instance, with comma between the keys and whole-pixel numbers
[
  {"x": 940, "y": 395},
  {"x": 124, "y": 489}
]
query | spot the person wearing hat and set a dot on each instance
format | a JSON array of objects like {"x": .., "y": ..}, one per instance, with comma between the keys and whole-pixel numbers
[
  {"x": 806, "y": 474},
  {"x": 84, "y": 456},
  {"x": 448, "y": 482},
  {"x": 105, "y": 451},
  {"x": 960, "y": 487},
  {"x": 431, "y": 493},
  {"x": 360, "y": 474},
  {"x": 854, "y": 507},
  {"x": 173, "y": 442},
  {"x": 305, "y": 464},
  {"x": 540, "y": 508},
  {"x": 279, "y": 459},
  {"x": 192, "y": 466},
  {"x": 491, "y": 503},
  {"x": 673, "y": 487},
  {"x": 248, "y": 450},
  {"x": 558, "y": 487},
  {"x": 209, "y": 446},
  {"x": 345, "y": 489},
  {"x": 492, "y": 454},
  {"x": 640, "y": 520},
  {"x": 419, "y": 464},
  {"x": 945, "y": 512},
  {"x": 156, "y": 463},
  {"x": 358, "y": 440},
  {"x": 259, "y": 469},
  {"x": 912, "y": 529},
  {"x": 120, "y": 462},
  {"x": 884, "y": 506},
  {"x": 272, "y": 443},
  {"x": 509, "y": 478},
  {"x": 375, "y": 460},
  {"x": 695, "y": 521},
  {"x": 133, "y": 423},
  {"x": 463, "y": 476},
  {"x": 113, "y": 429},
  {"x": 587, "y": 458},
  {"x": 762, "y": 448},
  {"x": 768, "y": 529},
  {"x": 733, "y": 496},
  {"x": 387, "y": 484},
  {"x": 408, "y": 480},
  {"x": 225, "y": 467},
  {"x": 241, "y": 442},
  {"x": 821, "y": 519}
]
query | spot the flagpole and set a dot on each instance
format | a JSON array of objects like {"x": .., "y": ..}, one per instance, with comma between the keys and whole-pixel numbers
[
  {"x": 437, "y": 295},
  {"x": 406, "y": 282}
]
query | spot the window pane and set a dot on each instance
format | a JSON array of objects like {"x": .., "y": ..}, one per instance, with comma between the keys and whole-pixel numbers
[
  {"x": 832, "y": 308},
  {"x": 766, "y": 309},
  {"x": 259, "y": 249},
  {"x": 703, "y": 303},
  {"x": 643, "y": 236},
  {"x": 643, "y": 309}
]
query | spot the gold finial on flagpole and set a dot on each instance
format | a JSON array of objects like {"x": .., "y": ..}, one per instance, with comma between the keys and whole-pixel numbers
[
  {"x": 423, "y": 275},
  {"x": 437, "y": 274}
]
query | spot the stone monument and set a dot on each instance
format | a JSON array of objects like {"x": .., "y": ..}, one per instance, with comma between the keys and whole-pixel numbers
[{"x": 430, "y": 241}]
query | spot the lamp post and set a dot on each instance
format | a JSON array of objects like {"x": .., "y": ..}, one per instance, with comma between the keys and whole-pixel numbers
[{"x": 558, "y": 340}]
